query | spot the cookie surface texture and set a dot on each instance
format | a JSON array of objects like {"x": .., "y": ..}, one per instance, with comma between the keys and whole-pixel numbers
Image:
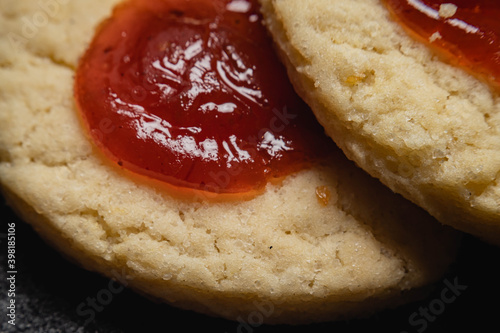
[
  {"x": 284, "y": 252},
  {"x": 428, "y": 130}
]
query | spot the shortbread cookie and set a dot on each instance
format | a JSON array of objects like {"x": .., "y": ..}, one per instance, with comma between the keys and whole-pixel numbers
[
  {"x": 327, "y": 243},
  {"x": 426, "y": 129}
]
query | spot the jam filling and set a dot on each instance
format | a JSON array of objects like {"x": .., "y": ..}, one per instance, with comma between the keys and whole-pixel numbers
[
  {"x": 191, "y": 93},
  {"x": 465, "y": 32}
]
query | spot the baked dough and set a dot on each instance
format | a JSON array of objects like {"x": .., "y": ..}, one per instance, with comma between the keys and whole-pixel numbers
[
  {"x": 283, "y": 254},
  {"x": 428, "y": 130}
]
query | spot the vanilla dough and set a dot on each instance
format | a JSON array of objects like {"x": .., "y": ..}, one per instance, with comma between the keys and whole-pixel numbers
[
  {"x": 283, "y": 254},
  {"x": 428, "y": 130}
]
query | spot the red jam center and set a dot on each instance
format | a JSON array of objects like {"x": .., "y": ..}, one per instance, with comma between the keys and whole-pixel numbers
[
  {"x": 466, "y": 32},
  {"x": 192, "y": 94}
]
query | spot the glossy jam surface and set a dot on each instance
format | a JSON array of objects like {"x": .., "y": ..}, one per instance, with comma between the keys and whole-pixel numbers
[
  {"x": 465, "y": 32},
  {"x": 190, "y": 92}
]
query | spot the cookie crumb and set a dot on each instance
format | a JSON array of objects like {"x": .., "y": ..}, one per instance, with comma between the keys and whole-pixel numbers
[
  {"x": 435, "y": 36},
  {"x": 447, "y": 10}
]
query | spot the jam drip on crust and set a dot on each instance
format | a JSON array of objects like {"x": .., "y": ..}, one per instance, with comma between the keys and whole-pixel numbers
[{"x": 191, "y": 93}]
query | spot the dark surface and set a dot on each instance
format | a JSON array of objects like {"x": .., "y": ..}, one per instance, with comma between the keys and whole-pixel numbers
[{"x": 49, "y": 290}]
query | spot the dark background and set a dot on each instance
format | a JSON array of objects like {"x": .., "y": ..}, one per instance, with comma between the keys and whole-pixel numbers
[{"x": 49, "y": 290}]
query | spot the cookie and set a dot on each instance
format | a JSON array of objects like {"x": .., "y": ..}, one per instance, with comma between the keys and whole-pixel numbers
[
  {"x": 427, "y": 129},
  {"x": 328, "y": 242}
]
